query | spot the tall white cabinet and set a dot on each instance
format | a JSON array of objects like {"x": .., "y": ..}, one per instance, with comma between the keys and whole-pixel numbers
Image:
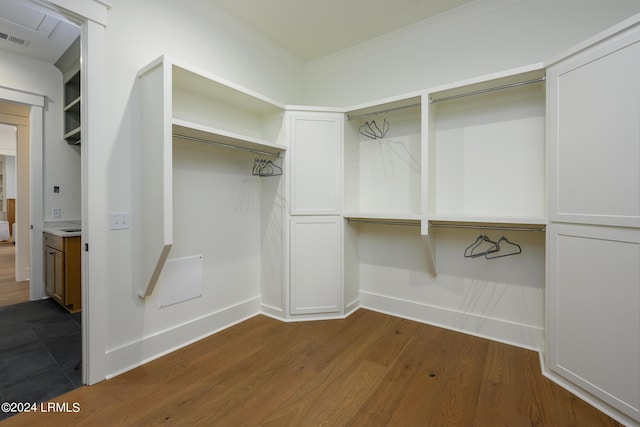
[
  {"x": 315, "y": 216},
  {"x": 593, "y": 286}
]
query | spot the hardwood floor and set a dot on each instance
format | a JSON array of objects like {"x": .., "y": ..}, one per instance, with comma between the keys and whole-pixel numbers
[
  {"x": 368, "y": 370},
  {"x": 11, "y": 292}
]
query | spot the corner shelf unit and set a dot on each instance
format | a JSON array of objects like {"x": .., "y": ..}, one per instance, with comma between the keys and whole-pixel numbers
[
  {"x": 71, "y": 111},
  {"x": 181, "y": 102}
]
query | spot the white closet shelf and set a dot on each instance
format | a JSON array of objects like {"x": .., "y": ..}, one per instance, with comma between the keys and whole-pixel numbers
[
  {"x": 516, "y": 77},
  {"x": 386, "y": 106},
  {"x": 220, "y": 136},
  {"x": 488, "y": 220},
  {"x": 382, "y": 216},
  {"x": 73, "y": 105},
  {"x": 73, "y": 134}
]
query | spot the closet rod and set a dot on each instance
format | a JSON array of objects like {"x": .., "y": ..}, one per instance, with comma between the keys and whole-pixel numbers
[
  {"x": 235, "y": 147},
  {"x": 388, "y": 110},
  {"x": 372, "y": 221},
  {"x": 481, "y": 91},
  {"x": 490, "y": 227}
]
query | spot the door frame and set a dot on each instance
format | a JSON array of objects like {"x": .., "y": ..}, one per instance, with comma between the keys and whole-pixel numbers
[
  {"x": 28, "y": 118},
  {"x": 91, "y": 16}
]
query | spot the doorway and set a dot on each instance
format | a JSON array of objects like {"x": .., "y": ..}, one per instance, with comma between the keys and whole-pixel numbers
[
  {"x": 13, "y": 289},
  {"x": 15, "y": 117},
  {"x": 91, "y": 17}
]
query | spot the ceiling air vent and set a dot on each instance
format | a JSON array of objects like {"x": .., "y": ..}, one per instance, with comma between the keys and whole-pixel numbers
[{"x": 16, "y": 40}]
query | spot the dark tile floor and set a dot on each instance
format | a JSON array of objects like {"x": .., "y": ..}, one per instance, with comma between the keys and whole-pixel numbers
[{"x": 40, "y": 352}]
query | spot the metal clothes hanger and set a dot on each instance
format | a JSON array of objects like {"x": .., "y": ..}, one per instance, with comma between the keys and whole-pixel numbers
[
  {"x": 474, "y": 250},
  {"x": 372, "y": 130},
  {"x": 505, "y": 250},
  {"x": 263, "y": 167},
  {"x": 367, "y": 131}
]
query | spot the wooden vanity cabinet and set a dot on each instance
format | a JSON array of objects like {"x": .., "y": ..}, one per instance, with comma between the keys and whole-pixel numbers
[{"x": 62, "y": 270}]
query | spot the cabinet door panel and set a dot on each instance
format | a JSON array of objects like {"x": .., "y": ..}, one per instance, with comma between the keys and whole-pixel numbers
[
  {"x": 595, "y": 137},
  {"x": 316, "y": 163},
  {"x": 49, "y": 270},
  {"x": 594, "y": 310},
  {"x": 316, "y": 264}
]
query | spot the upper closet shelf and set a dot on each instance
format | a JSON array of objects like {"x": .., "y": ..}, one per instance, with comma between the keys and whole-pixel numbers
[
  {"x": 494, "y": 82},
  {"x": 383, "y": 218},
  {"x": 195, "y": 132},
  {"x": 386, "y": 106},
  {"x": 489, "y": 220},
  {"x": 208, "y": 107}
]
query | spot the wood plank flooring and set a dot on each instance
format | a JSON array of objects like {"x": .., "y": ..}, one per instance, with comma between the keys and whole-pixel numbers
[
  {"x": 367, "y": 370},
  {"x": 11, "y": 292}
]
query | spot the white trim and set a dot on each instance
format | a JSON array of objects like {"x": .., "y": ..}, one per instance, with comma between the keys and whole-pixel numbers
[
  {"x": 598, "y": 38},
  {"x": 22, "y": 97},
  {"x": 154, "y": 346},
  {"x": 526, "y": 336},
  {"x": 36, "y": 124},
  {"x": 587, "y": 397},
  {"x": 93, "y": 10},
  {"x": 271, "y": 311}
]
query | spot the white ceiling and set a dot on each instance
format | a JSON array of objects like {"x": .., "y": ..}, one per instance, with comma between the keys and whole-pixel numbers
[
  {"x": 311, "y": 29},
  {"x": 34, "y": 31},
  {"x": 308, "y": 29}
]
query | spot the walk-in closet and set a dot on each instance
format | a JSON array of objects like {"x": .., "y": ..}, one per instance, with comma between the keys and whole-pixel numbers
[{"x": 462, "y": 205}]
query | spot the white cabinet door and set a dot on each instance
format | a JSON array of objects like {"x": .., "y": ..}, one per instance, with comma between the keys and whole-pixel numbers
[
  {"x": 594, "y": 111},
  {"x": 316, "y": 264},
  {"x": 316, "y": 163},
  {"x": 593, "y": 306}
]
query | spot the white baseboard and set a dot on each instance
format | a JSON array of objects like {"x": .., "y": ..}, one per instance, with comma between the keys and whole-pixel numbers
[
  {"x": 588, "y": 397},
  {"x": 351, "y": 307},
  {"x": 525, "y": 336},
  {"x": 271, "y": 311},
  {"x": 132, "y": 355}
]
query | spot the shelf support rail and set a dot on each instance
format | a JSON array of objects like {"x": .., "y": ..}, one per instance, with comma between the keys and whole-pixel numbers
[
  {"x": 235, "y": 147},
  {"x": 489, "y": 227},
  {"x": 491, "y": 89}
]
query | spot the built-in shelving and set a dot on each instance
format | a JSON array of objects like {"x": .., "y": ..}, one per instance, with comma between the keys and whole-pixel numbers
[
  {"x": 181, "y": 101},
  {"x": 382, "y": 163},
  {"x": 486, "y": 150},
  {"x": 485, "y": 154},
  {"x": 71, "y": 110}
]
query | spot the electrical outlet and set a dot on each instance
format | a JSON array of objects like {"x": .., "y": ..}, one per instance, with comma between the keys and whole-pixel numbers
[
  {"x": 56, "y": 212},
  {"x": 119, "y": 220}
]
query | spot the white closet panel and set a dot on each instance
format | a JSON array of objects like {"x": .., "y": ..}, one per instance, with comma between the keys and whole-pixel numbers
[
  {"x": 316, "y": 264},
  {"x": 316, "y": 163},
  {"x": 594, "y": 311},
  {"x": 595, "y": 138}
]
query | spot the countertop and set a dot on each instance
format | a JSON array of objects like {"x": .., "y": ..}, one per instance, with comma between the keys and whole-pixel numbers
[{"x": 63, "y": 228}]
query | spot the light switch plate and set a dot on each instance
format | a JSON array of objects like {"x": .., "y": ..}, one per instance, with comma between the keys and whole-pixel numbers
[{"x": 119, "y": 220}]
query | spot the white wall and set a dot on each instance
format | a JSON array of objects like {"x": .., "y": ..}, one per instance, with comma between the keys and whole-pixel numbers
[
  {"x": 8, "y": 140},
  {"x": 480, "y": 38},
  {"x": 216, "y": 200},
  {"x": 10, "y": 176},
  {"x": 8, "y": 151},
  {"x": 62, "y": 162}
]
